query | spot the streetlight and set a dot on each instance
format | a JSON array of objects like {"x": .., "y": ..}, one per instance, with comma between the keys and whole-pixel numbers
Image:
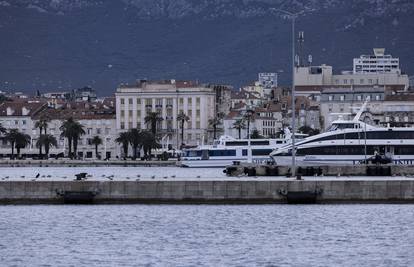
[
  {"x": 293, "y": 17},
  {"x": 248, "y": 115}
]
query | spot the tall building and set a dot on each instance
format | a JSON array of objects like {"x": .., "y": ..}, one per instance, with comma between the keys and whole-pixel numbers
[
  {"x": 268, "y": 81},
  {"x": 376, "y": 63},
  {"x": 169, "y": 98}
]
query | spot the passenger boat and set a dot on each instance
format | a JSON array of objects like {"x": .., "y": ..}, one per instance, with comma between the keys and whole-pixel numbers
[
  {"x": 227, "y": 149},
  {"x": 351, "y": 142}
]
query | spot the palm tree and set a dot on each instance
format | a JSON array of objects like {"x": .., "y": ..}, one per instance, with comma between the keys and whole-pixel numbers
[
  {"x": 2, "y": 129},
  {"x": 152, "y": 118},
  {"x": 182, "y": 118},
  {"x": 123, "y": 139},
  {"x": 46, "y": 140},
  {"x": 214, "y": 122},
  {"x": 72, "y": 130},
  {"x": 11, "y": 136},
  {"x": 135, "y": 139},
  {"x": 249, "y": 117},
  {"x": 41, "y": 124},
  {"x": 149, "y": 141},
  {"x": 239, "y": 125},
  {"x": 18, "y": 140},
  {"x": 96, "y": 141}
]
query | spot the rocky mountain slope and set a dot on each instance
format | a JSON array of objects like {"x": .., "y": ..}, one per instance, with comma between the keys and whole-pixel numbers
[{"x": 61, "y": 44}]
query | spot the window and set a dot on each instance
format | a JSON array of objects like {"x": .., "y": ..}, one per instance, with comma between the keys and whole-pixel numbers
[
  {"x": 351, "y": 81},
  {"x": 130, "y": 101},
  {"x": 122, "y": 101},
  {"x": 222, "y": 153},
  {"x": 345, "y": 81},
  {"x": 190, "y": 101},
  {"x": 130, "y": 113},
  {"x": 122, "y": 125},
  {"x": 98, "y": 131},
  {"x": 342, "y": 97},
  {"x": 370, "y": 81},
  {"x": 122, "y": 113},
  {"x": 330, "y": 98}
]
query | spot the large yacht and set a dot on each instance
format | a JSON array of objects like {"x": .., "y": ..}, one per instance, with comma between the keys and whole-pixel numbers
[
  {"x": 228, "y": 149},
  {"x": 351, "y": 142}
]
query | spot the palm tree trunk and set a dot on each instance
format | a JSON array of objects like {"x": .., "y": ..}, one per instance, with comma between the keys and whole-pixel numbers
[
  {"x": 47, "y": 151},
  {"x": 154, "y": 127},
  {"x": 70, "y": 147},
  {"x": 12, "y": 155},
  {"x": 40, "y": 145},
  {"x": 96, "y": 150},
  {"x": 75, "y": 147},
  {"x": 239, "y": 133},
  {"x": 248, "y": 128},
  {"x": 125, "y": 146},
  {"x": 215, "y": 130},
  {"x": 182, "y": 132}
]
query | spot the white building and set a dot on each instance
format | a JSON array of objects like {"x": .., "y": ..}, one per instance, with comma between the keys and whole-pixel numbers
[
  {"x": 313, "y": 79},
  {"x": 376, "y": 63},
  {"x": 96, "y": 119},
  {"x": 169, "y": 98}
]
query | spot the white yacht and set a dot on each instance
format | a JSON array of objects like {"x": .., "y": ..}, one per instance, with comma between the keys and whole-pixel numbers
[
  {"x": 228, "y": 149},
  {"x": 351, "y": 142}
]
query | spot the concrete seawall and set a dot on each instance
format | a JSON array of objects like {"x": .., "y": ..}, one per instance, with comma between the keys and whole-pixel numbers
[{"x": 231, "y": 192}]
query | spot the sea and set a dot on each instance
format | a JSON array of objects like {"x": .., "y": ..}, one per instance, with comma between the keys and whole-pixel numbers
[
  {"x": 199, "y": 235},
  {"x": 207, "y": 235}
]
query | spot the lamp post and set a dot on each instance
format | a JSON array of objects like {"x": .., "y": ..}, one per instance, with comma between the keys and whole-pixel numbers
[
  {"x": 248, "y": 115},
  {"x": 293, "y": 17}
]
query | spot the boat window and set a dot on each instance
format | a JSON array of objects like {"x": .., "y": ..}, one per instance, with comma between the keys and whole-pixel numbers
[
  {"x": 333, "y": 127},
  {"x": 192, "y": 153},
  {"x": 259, "y": 143},
  {"x": 237, "y": 143},
  {"x": 221, "y": 153},
  {"x": 261, "y": 152}
]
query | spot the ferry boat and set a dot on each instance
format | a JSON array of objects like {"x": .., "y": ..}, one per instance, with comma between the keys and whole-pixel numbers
[
  {"x": 227, "y": 149},
  {"x": 351, "y": 142}
]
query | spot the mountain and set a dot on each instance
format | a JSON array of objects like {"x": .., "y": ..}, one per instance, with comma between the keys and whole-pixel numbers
[{"x": 64, "y": 44}]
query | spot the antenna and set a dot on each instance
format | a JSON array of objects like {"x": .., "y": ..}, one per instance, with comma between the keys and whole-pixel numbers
[{"x": 301, "y": 40}]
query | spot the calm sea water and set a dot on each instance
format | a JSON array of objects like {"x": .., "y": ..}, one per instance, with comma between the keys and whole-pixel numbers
[{"x": 204, "y": 235}]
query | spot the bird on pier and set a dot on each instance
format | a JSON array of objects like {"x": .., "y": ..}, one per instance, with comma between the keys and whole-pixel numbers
[
  {"x": 110, "y": 178},
  {"x": 153, "y": 177},
  {"x": 38, "y": 175},
  {"x": 43, "y": 176},
  {"x": 127, "y": 178},
  {"x": 103, "y": 175},
  {"x": 139, "y": 175},
  {"x": 49, "y": 176},
  {"x": 165, "y": 177},
  {"x": 198, "y": 176},
  {"x": 172, "y": 176},
  {"x": 22, "y": 176}
]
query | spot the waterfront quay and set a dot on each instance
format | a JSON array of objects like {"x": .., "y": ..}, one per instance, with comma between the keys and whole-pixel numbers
[{"x": 246, "y": 190}]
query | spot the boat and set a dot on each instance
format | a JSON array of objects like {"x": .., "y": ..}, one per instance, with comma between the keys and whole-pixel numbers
[
  {"x": 351, "y": 142},
  {"x": 227, "y": 150}
]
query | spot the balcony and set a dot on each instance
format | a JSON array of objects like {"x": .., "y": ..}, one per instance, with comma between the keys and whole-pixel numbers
[
  {"x": 169, "y": 106},
  {"x": 148, "y": 106},
  {"x": 158, "y": 106}
]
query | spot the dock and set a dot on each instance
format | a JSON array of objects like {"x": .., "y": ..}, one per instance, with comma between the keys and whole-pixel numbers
[{"x": 247, "y": 190}]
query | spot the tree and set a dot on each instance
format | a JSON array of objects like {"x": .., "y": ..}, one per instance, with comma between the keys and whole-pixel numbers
[
  {"x": 17, "y": 140},
  {"x": 2, "y": 129},
  {"x": 256, "y": 135},
  {"x": 41, "y": 124},
  {"x": 152, "y": 118},
  {"x": 123, "y": 139},
  {"x": 135, "y": 139},
  {"x": 239, "y": 125},
  {"x": 182, "y": 118},
  {"x": 46, "y": 140},
  {"x": 72, "y": 130},
  {"x": 249, "y": 117},
  {"x": 96, "y": 141},
  {"x": 308, "y": 130},
  {"x": 149, "y": 141}
]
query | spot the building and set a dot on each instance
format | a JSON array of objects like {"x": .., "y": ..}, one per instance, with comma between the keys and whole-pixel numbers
[
  {"x": 169, "y": 98},
  {"x": 340, "y": 102},
  {"x": 84, "y": 94},
  {"x": 97, "y": 119},
  {"x": 376, "y": 63},
  {"x": 313, "y": 79},
  {"x": 268, "y": 81}
]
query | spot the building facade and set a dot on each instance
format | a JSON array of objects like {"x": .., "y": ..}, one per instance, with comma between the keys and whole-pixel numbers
[
  {"x": 169, "y": 98},
  {"x": 376, "y": 63}
]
